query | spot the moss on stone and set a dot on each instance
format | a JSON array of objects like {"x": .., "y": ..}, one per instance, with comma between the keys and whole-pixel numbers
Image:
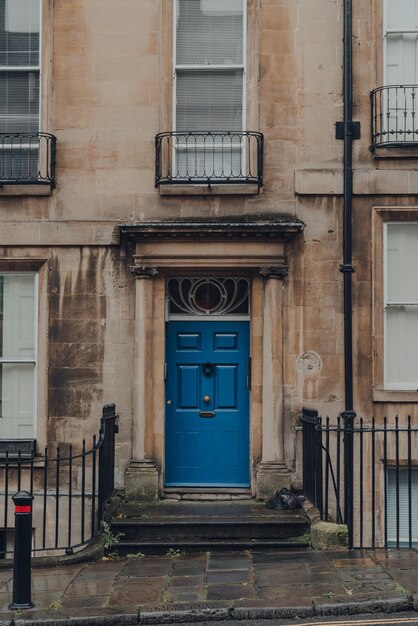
[{"x": 329, "y": 536}]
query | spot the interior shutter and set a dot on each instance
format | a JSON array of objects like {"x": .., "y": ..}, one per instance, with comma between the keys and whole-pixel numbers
[
  {"x": 18, "y": 341},
  {"x": 401, "y": 354},
  {"x": 401, "y": 48}
]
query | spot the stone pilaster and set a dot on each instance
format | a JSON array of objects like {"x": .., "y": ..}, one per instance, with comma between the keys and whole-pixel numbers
[
  {"x": 272, "y": 472},
  {"x": 141, "y": 479}
]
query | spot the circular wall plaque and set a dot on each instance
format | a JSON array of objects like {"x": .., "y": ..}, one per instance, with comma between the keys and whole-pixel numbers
[{"x": 309, "y": 362}]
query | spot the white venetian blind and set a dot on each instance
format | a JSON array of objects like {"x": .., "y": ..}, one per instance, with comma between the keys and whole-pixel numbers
[
  {"x": 403, "y": 506},
  {"x": 209, "y": 33},
  {"x": 19, "y": 66},
  {"x": 401, "y": 306},
  {"x": 401, "y": 34},
  {"x": 209, "y": 100}
]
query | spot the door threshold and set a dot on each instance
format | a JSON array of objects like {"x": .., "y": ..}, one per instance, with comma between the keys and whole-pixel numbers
[{"x": 208, "y": 493}]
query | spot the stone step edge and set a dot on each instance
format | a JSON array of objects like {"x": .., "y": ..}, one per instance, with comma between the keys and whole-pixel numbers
[
  {"x": 129, "y": 543},
  {"x": 208, "y": 522}
]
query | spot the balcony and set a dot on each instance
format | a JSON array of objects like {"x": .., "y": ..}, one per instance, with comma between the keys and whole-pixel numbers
[
  {"x": 224, "y": 161},
  {"x": 394, "y": 121},
  {"x": 27, "y": 159}
]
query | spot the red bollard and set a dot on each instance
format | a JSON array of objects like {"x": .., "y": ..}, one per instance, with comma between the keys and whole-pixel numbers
[{"x": 22, "y": 551}]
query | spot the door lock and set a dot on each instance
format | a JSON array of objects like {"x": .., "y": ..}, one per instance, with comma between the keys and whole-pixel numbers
[{"x": 206, "y": 398}]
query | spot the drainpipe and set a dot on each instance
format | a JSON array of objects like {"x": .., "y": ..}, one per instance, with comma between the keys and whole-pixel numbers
[{"x": 349, "y": 129}]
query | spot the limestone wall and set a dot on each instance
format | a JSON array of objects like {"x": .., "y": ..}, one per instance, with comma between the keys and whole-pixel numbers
[{"x": 106, "y": 93}]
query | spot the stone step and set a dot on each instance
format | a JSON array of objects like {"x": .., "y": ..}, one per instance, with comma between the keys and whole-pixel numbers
[
  {"x": 204, "y": 530},
  {"x": 200, "y": 525},
  {"x": 164, "y": 547}
]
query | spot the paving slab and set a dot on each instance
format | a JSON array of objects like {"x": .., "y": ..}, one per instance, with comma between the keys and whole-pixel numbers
[{"x": 213, "y": 581}]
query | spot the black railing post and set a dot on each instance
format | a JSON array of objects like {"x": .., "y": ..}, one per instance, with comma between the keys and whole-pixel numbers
[
  {"x": 348, "y": 417},
  {"x": 108, "y": 429},
  {"x": 22, "y": 551},
  {"x": 318, "y": 472}
]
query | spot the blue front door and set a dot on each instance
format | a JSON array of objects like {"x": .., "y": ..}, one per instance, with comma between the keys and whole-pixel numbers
[{"x": 207, "y": 404}]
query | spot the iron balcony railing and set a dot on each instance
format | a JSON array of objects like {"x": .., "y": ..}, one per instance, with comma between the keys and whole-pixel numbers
[
  {"x": 27, "y": 159},
  {"x": 209, "y": 157},
  {"x": 394, "y": 120}
]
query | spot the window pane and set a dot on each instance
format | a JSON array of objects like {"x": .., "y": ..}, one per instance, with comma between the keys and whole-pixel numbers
[
  {"x": 401, "y": 14},
  {"x": 19, "y": 102},
  {"x": 403, "y": 506},
  {"x": 210, "y": 32},
  {"x": 19, "y": 32},
  {"x": 17, "y": 401},
  {"x": 17, "y": 316},
  {"x": 402, "y": 347},
  {"x": 401, "y": 62},
  {"x": 209, "y": 162},
  {"x": 402, "y": 259},
  {"x": 19, "y": 163},
  {"x": 209, "y": 100}
]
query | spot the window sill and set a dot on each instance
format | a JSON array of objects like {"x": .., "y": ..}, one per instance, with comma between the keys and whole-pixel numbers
[
  {"x": 387, "y": 395},
  {"x": 10, "y": 189},
  {"x": 395, "y": 152},
  {"x": 26, "y": 447},
  {"x": 246, "y": 189}
]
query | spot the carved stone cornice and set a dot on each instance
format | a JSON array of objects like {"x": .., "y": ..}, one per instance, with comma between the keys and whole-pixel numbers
[
  {"x": 260, "y": 229},
  {"x": 274, "y": 271},
  {"x": 144, "y": 271}
]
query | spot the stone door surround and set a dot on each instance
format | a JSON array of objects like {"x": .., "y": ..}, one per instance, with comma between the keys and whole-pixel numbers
[{"x": 193, "y": 248}]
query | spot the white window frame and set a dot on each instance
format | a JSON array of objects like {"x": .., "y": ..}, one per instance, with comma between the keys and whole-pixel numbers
[
  {"x": 34, "y": 360},
  {"x": 387, "y": 304},
  {"x": 208, "y": 68},
  {"x": 31, "y": 68}
]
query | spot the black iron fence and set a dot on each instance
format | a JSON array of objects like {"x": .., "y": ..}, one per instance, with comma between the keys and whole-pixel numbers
[
  {"x": 27, "y": 158},
  {"x": 385, "y": 477},
  {"x": 70, "y": 488},
  {"x": 394, "y": 116},
  {"x": 209, "y": 157}
]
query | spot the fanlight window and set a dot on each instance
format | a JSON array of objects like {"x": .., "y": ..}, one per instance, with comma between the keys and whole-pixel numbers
[{"x": 208, "y": 296}]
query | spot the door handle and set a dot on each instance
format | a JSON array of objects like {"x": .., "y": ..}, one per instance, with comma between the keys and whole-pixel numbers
[{"x": 207, "y": 414}]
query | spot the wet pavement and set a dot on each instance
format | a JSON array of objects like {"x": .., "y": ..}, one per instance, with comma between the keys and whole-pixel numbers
[{"x": 217, "y": 580}]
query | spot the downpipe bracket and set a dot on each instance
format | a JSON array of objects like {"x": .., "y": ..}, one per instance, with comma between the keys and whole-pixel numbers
[
  {"x": 346, "y": 268},
  {"x": 342, "y": 129}
]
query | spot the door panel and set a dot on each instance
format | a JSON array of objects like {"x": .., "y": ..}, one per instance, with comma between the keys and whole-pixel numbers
[{"x": 207, "y": 408}]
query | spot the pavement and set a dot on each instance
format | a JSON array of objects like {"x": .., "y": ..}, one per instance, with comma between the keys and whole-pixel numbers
[{"x": 210, "y": 586}]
